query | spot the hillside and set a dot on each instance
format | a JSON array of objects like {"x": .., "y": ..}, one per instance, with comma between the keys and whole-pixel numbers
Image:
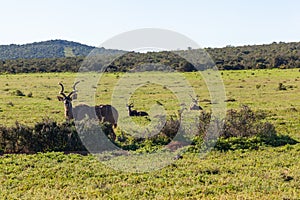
[
  {"x": 275, "y": 55},
  {"x": 61, "y": 55},
  {"x": 46, "y": 49}
]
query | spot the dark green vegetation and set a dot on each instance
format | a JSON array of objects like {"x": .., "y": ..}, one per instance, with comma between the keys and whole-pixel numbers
[
  {"x": 47, "y": 49},
  {"x": 64, "y": 56},
  {"x": 276, "y": 55},
  {"x": 243, "y": 130}
]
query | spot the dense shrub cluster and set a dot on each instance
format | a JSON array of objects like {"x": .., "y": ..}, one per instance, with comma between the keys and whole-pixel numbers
[
  {"x": 246, "y": 123},
  {"x": 243, "y": 129},
  {"x": 44, "y": 136},
  {"x": 41, "y": 65}
]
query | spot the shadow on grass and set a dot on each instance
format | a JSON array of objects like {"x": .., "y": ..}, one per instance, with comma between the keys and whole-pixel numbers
[{"x": 235, "y": 143}]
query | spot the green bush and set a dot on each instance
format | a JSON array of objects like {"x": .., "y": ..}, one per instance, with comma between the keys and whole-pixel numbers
[
  {"x": 50, "y": 136},
  {"x": 44, "y": 136},
  {"x": 94, "y": 137},
  {"x": 243, "y": 129},
  {"x": 246, "y": 123}
]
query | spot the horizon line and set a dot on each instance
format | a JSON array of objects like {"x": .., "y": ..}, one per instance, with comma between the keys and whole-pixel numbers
[{"x": 216, "y": 47}]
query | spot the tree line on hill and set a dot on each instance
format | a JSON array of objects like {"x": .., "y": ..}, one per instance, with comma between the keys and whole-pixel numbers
[
  {"x": 275, "y": 55},
  {"x": 46, "y": 49}
]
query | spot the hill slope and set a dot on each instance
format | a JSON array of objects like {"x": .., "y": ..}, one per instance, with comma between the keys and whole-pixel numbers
[
  {"x": 275, "y": 55},
  {"x": 46, "y": 49}
]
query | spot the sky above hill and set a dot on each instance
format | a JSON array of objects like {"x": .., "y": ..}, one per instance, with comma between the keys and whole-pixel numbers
[{"x": 210, "y": 23}]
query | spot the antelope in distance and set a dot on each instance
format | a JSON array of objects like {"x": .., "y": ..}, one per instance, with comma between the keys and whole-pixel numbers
[
  {"x": 105, "y": 113},
  {"x": 195, "y": 104},
  {"x": 135, "y": 112}
]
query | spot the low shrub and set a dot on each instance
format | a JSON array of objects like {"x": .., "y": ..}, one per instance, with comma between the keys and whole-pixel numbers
[
  {"x": 151, "y": 143},
  {"x": 243, "y": 129},
  {"x": 44, "y": 136},
  {"x": 246, "y": 123},
  {"x": 94, "y": 137}
]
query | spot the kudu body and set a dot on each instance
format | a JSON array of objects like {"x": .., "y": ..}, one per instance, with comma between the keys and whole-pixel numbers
[
  {"x": 105, "y": 113},
  {"x": 135, "y": 112}
]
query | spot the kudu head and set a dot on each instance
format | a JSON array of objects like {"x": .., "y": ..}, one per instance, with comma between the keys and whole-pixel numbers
[
  {"x": 130, "y": 111},
  {"x": 67, "y": 99},
  {"x": 195, "y": 100},
  {"x": 129, "y": 106},
  {"x": 195, "y": 103}
]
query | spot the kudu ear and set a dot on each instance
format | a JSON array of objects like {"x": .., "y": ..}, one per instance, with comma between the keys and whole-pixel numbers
[
  {"x": 74, "y": 96},
  {"x": 60, "y": 98}
]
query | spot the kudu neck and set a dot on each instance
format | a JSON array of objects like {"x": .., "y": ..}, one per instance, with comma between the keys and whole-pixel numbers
[{"x": 69, "y": 111}]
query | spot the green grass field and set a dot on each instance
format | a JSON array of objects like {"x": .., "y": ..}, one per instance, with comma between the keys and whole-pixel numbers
[{"x": 267, "y": 173}]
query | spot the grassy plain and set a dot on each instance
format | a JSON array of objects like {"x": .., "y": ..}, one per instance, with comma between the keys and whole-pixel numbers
[
  {"x": 256, "y": 88},
  {"x": 267, "y": 173},
  {"x": 271, "y": 173}
]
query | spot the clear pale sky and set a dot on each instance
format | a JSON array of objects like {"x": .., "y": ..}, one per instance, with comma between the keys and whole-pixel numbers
[{"x": 210, "y": 23}]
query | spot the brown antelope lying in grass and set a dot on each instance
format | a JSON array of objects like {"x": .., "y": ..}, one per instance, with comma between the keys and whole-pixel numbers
[
  {"x": 135, "y": 112},
  {"x": 105, "y": 113}
]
